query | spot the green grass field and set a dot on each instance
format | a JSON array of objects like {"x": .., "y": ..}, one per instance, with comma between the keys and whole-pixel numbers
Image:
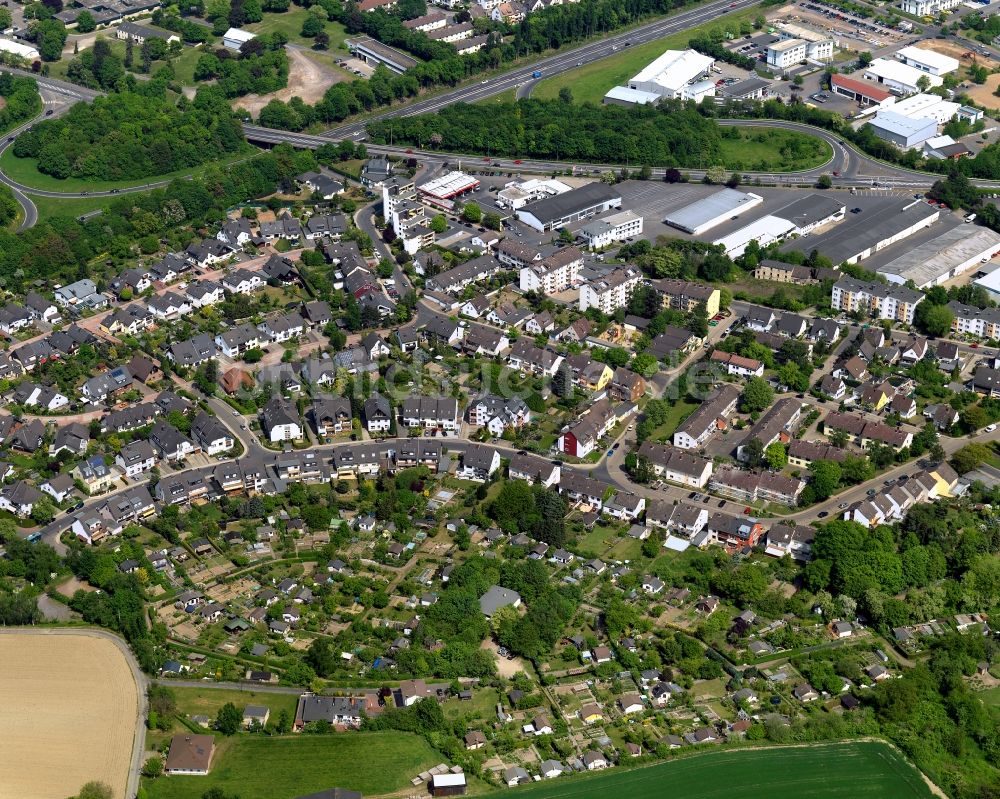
[
  {"x": 290, "y": 24},
  {"x": 257, "y": 767},
  {"x": 772, "y": 149},
  {"x": 207, "y": 701},
  {"x": 590, "y": 82},
  {"x": 25, "y": 172},
  {"x": 49, "y": 207},
  {"x": 849, "y": 770}
]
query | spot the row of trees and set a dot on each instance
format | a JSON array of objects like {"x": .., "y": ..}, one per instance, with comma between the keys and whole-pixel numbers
[
  {"x": 671, "y": 134},
  {"x": 127, "y": 136}
]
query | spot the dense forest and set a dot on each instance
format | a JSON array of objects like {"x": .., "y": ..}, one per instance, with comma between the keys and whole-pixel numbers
[
  {"x": 21, "y": 100},
  {"x": 672, "y": 134},
  {"x": 59, "y": 249},
  {"x": 126, "y": 136}
]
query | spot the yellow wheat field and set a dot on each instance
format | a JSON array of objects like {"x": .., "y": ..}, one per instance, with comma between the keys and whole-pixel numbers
[{"x": 68, "y": 705}]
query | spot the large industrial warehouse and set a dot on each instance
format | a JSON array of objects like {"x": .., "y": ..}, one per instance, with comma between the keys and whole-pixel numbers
[
  {"x": 713, "y": 210},
  {"x": 946, "y": 256},
  {"x": 553, "y": 213}
]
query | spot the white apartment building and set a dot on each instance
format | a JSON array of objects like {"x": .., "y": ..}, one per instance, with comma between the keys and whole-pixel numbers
[
  {"x": 929, "y": 8},
  {"x": 896, "y": 303},
  {"x": 611, "y": 229},
  {"x": 558, "y": 272},
  {"x": 611, "y": 292}
]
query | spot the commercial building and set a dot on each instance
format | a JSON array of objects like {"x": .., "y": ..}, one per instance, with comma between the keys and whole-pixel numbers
[
  {"x": 819, "y": 46},
  {"x": 991, "y": 283},
  {"x": 749, "y": 89},
  {"x": 610, "y": 229},
  {"x": 706, "y": 213},
  {"x": 928, "y": 8},
  {"x": 903, "y": 131},
  {"x": 862, "y": 92},
  {"x": 373, "y": 52},
  {"x": 865, "y": 234},
  {"x": 929, "y": 61},
  {"x": 441, "y": 191},
  {"x": 677, "y": 75},
  {"x": 765, "y": 230},
  {"x": 552, "y": 213},
  {"x": 899, "y": 78},
  {"x": 896, "y": 303},
  {"x": 944, "y": 257},
  {"x": 519, "y": 193},
  {"x": 787, "y": 53},
  {"x": 623, "y": 95}
]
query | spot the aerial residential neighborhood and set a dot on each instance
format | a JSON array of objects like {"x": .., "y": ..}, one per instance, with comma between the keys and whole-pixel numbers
[{"x": 409, "y": 399}]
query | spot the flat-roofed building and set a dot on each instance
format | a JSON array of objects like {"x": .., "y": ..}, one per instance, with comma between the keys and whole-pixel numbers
[
  {"x": 929, "y": 61},
  {"x": 863, "y": 92},
  {"x": 676, "y": 75},
  {"x": 552, "y": 213},
  {"x": 942, "y": 258},
  {"x": 611, "y": 229},
  {"x": 713, "y": 210},
  {"x": 899, "y": 78}
]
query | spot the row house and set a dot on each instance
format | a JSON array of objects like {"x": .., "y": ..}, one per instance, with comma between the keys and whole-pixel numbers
[
  {"x": 454, "y": 280},
  {"x": 776, "y": 425},
  {"x": 682, "y": 518},
  {"x": 331, "y": 416},
  {"x": 237, "y": 341},
  {"x": 131, "y": 418},
  {"x": 675, "y": 465},
  {"x": 864, "y": 432},
  {"x": 243, "y": 281},
  {"x": 735, "y": 531},
  {"x": 283, "y": 328},
  {"x": 583, "y": 436},
  {"x": 533, "y": 469},
  {"x": 482, "y": 340},
  {"x": 747, "y": 486},
  {"x": 170, "y": 443},
  {"x": 794, "y": 540},
  {"x": 129, "y": 321},
  {"x": 194, "y": 352},
  {"x": 430, "y": 413},
  {"x": 205, "y": 293},
  {"x": 497, "y": 413},
  {"x": 626, "y": 385},
  {"x": 169, "y": 306},
  {"x": 525, "y": 356},
  {"x": 624, "y": 505},
  {"x": 738, "y": 365},
  {"x": 712, "y": 415},
  {"x": 305, "y": 466},
  {"x": 211, "y": 435},
  {"x": 802, "y": 453},
  {"x": 34, "y": 395},
  {"x": 280, "y": 421},
  {"x": 378, "y": 414},
  {"x": 182, "y": 488},
  {"x": 581, "y": 488}
]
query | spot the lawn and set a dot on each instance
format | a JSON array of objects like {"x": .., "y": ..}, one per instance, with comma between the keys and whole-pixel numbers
[
  {"x": 49, "y": 207},
  {"x": 290, "y": 24},
  {"x": 25, "y": 172},
  {"x": 590, "y": 82},
  {"x": 680, "y": 410},
  {"x": 258, "y": 767},
  {"x": 772, "y": 149},
  {"x": 854, "y": 770},
  {"x": 207, "y": 701}
]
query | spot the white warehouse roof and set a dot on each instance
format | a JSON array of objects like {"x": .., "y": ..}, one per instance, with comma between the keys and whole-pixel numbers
[
  {"x": 891, "y": 122},
  {"x": 18, "y": 49},
  {"x": 928, "y": 106},
  {"x": 623, "y": 94},
  {"x": 937, "y": 61},
  {"x": 896, "y": 71},
  {"x": 710, "y": 211},
  {"x": 943, "y": 257},
  {"x": 765, "y": 230},
  {"x": 238, "y": 35},
  {"x": 674, "y": 69}
]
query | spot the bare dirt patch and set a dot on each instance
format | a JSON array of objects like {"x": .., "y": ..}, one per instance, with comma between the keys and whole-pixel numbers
[
  {"x": 72, "y": 585},
  {"x": 307, "y": 79},
  {"x": 70, "y": 707},
  {"x": 956, "y": 50},
  {"x": 3, "y": 103},
  {"x": 505, "y": 668},
  {"x": 983, "y": 94}
]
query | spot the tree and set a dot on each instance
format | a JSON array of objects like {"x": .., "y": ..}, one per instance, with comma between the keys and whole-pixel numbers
[
  {"x": 970, "y": 457},
  {"x": 824, "y": 182},
  {"x": 753, "y": 452},
  {"x": 7, "y": 19},
  {"x": 84, "y": 22},
  {"x": 472, "y": 213},
  {"x": 566, "y": 95},
  {"x": 825, "y": 478},
  {"x": 923, "y": 83},
  {"x": 439, "y": 224},
  {"x": 152, "y": 768},
  {"x": 312, "y": 26},
  {"x": 493, "y": 221},
  {"x": 935, "y": 321},
  {"x": 757, "y": 395},
  {"x": 96, "y": 790},
  {"x": 229, "y": 719},
  {"x": 776, "y": 455}
]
